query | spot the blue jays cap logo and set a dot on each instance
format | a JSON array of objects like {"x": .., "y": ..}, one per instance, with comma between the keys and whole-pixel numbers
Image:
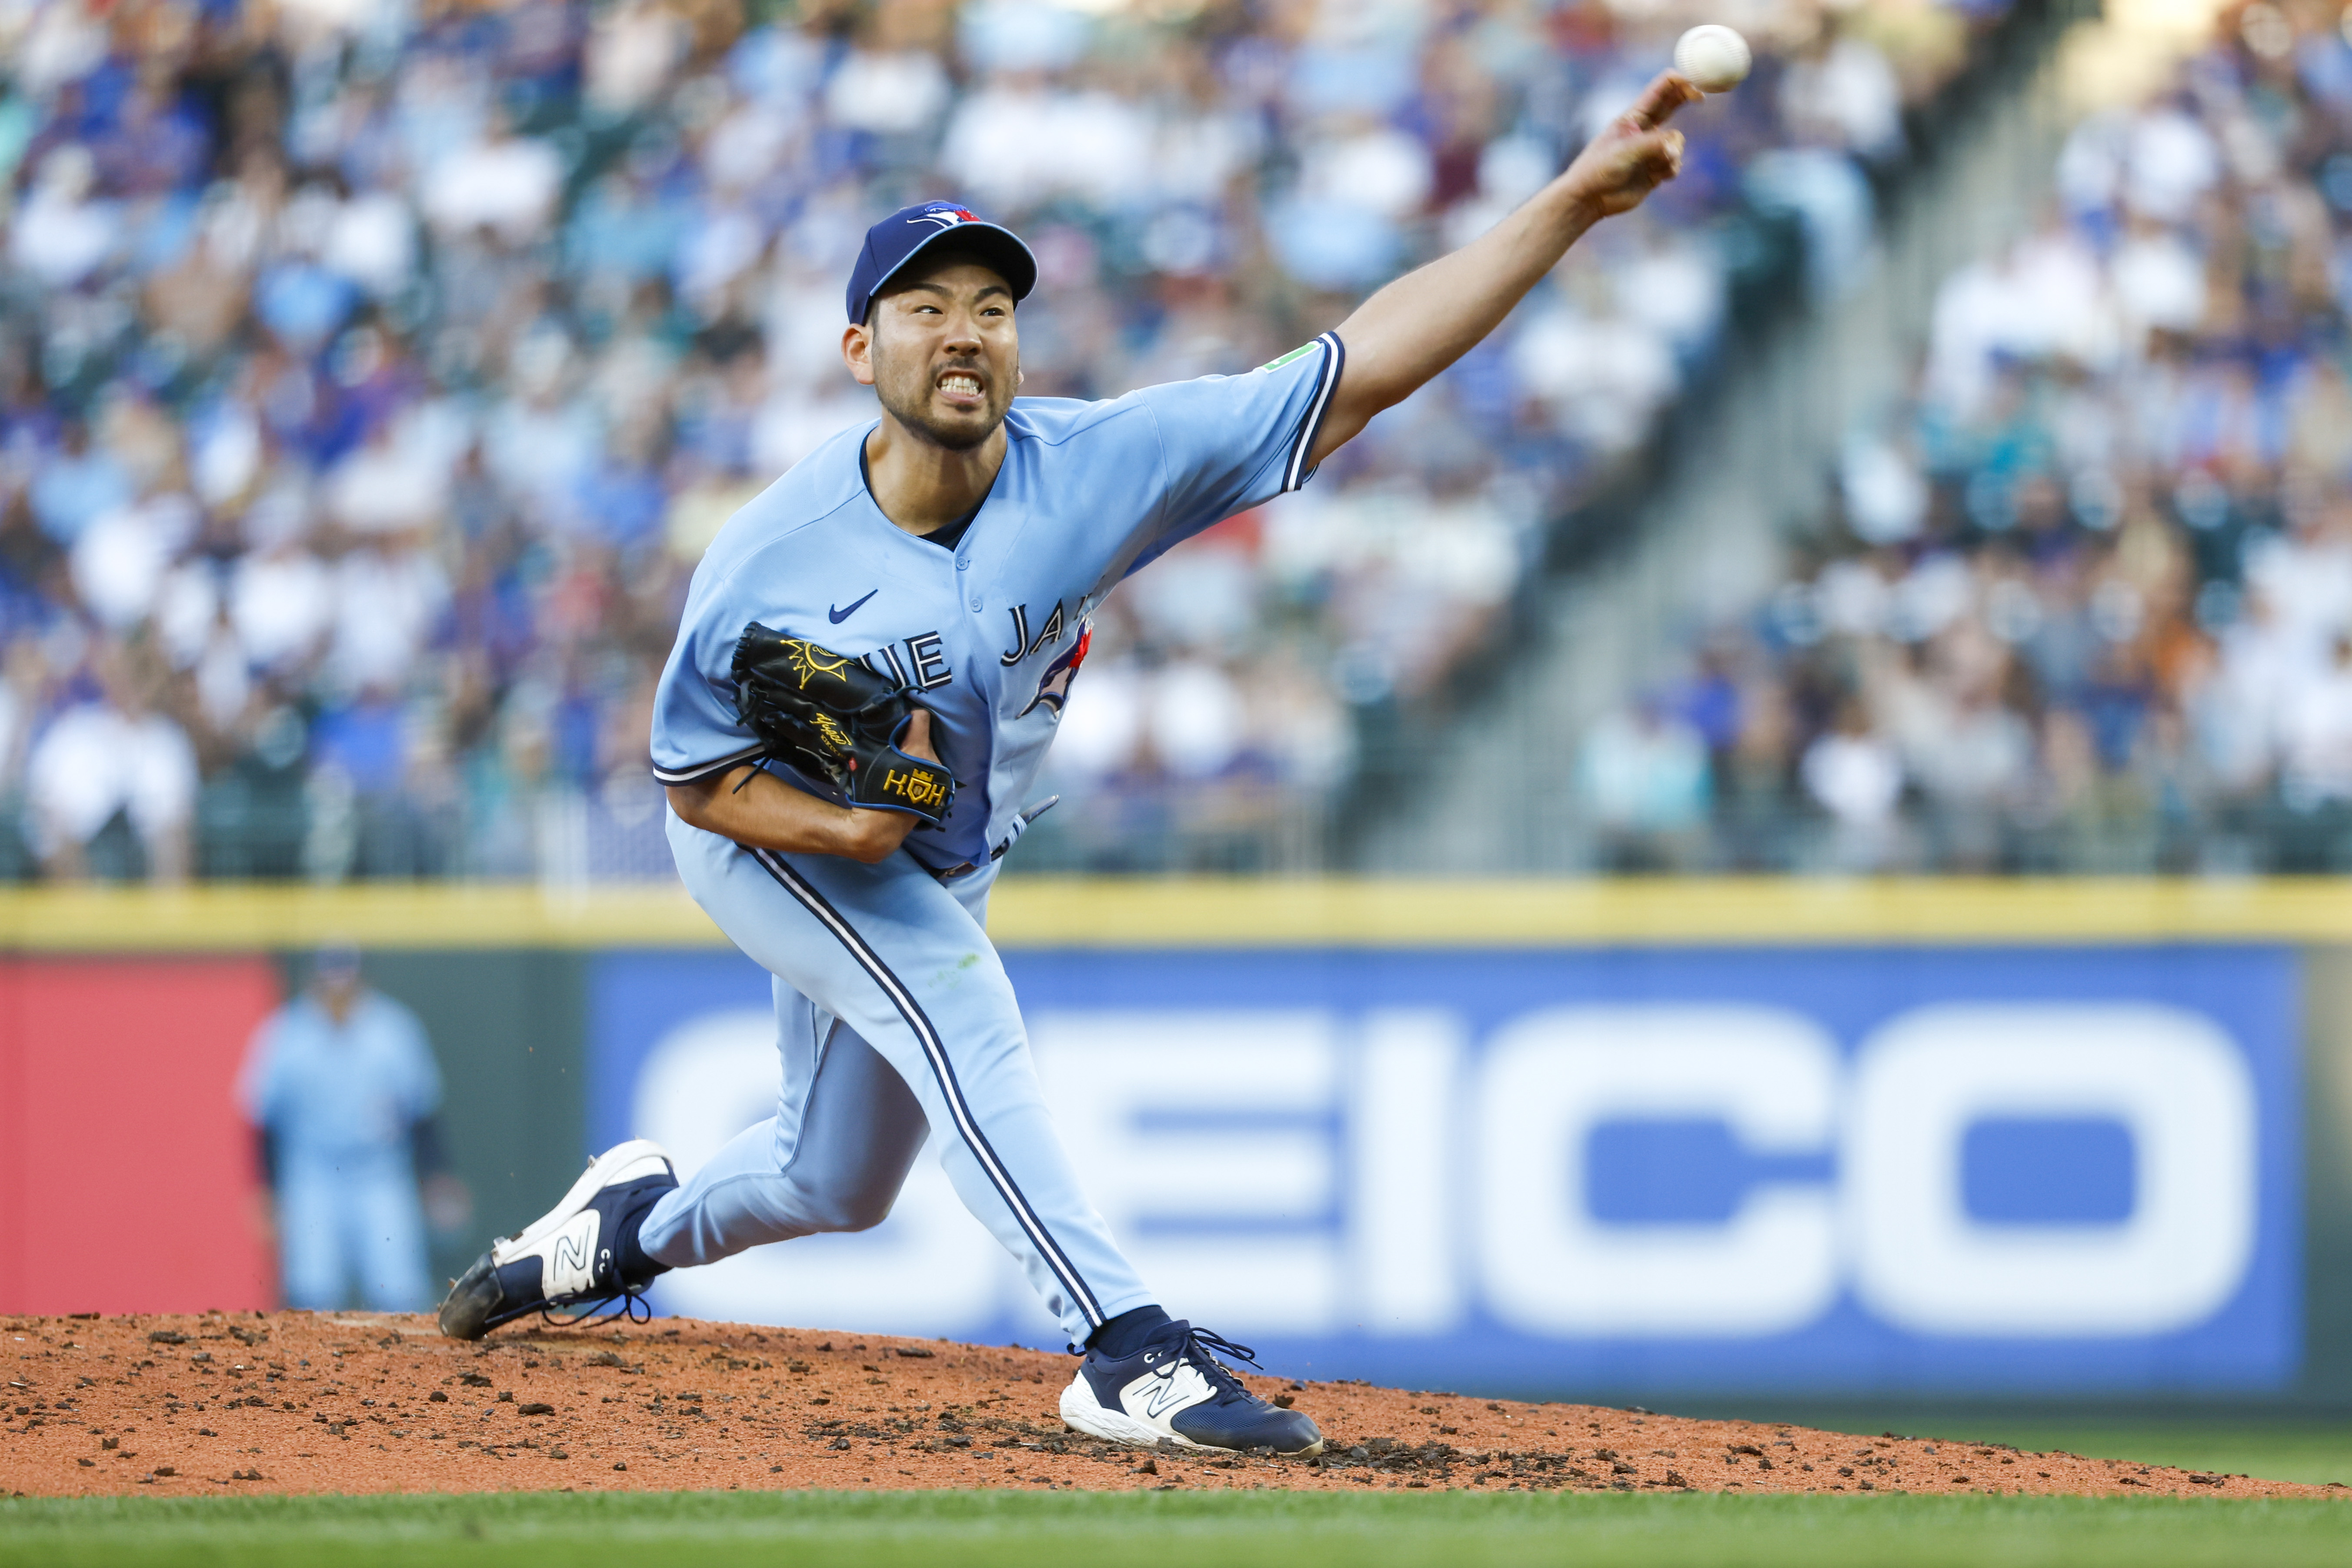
[{"x": 897, "y": 239}]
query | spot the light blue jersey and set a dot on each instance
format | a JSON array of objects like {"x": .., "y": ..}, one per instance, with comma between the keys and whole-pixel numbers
[
  {"x": 341, "y": 1094},
  {"x": 896, "y": 1022},
  {"x": 987, "y": 638}
]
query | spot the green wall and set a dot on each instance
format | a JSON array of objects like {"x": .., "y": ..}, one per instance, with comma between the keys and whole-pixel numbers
[
  {"x": 2327, "y": 1164},
  {"x": 508, "y": 1028}
]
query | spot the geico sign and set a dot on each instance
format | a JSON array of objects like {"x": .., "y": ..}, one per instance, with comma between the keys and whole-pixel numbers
[
  {"x": 1312, "y": 1171},
  {"x": 1446, "y": 1173}
]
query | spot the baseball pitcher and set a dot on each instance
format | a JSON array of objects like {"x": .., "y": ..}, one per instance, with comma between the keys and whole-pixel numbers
[{"x": 873, "y": 657}]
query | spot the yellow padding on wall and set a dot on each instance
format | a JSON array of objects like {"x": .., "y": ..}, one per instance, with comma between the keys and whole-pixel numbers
[{"x": 1216, "y": 913}]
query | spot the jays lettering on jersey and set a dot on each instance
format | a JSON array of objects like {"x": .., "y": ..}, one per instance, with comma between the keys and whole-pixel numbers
[{"x": 991, "y": 637}]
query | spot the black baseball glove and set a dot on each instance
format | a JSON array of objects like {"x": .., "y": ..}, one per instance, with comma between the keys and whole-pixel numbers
[{"x": 829, "y": 715}]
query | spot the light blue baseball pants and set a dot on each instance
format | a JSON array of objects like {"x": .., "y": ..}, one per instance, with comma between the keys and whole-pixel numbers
[
  {"x": 355, "y": 1220},
  {"x": 894, "y": 1016}
]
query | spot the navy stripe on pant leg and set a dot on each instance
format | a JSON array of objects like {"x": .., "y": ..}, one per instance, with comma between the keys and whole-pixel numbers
[{"x": 936, "y": 1052}]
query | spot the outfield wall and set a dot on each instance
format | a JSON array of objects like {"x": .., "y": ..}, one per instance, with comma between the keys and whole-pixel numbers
[{"x": 1857, "y": 1140}]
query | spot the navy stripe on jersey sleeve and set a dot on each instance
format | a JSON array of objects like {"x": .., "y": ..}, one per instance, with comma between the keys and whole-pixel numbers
[
  {"x": 694, "y": 772},
  {"x": 1335, "y": 359}
]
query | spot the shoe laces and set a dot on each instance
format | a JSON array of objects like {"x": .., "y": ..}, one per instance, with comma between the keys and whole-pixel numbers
[
  {"x": 1202, "y": 1347},
  {"x": 633, "y": 1307}
]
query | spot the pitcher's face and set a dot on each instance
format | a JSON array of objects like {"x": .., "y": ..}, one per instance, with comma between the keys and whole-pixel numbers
[{"x": 941, "y": 351}]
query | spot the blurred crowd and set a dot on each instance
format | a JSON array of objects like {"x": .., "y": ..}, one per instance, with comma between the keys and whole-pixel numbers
[
  {"x": 372, "y": 375},
  {"x": 2085, "y": 602}
]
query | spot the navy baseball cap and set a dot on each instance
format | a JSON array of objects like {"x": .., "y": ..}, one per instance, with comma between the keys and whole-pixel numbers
[{"x": 909, "y": 232}]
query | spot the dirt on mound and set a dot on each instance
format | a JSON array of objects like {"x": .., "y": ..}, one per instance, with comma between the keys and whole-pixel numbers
[{"x": 291, "y": 1401}]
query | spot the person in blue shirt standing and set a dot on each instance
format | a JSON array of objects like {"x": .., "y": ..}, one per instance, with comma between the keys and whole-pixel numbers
[
  {"x": 957, "y": 546},
  {"x": 345, "y": 1097}
]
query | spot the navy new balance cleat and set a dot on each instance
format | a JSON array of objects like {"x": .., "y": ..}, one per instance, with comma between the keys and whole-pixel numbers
[
  {"x": 1175, "y": 1389},
  {"x": 581, "y": 1255}
]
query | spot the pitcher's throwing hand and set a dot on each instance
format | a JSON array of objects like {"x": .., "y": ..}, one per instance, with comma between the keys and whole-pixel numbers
[{"x": 1635, "y": 153}]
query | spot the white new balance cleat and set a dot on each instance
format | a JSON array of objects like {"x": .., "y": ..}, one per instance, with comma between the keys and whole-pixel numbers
[
  {"x": 1175, "y": 1390},
  {"x": 581, "y": 1255}
]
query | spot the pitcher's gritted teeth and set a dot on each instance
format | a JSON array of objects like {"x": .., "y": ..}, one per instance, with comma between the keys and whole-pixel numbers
[{"x": 960, "y": 381}]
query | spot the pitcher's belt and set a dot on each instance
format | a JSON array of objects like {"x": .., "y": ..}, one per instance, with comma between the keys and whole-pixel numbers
[{"x": 950, "y": 873}]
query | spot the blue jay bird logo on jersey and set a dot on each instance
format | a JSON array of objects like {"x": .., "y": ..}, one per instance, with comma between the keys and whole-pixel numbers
[{"x": 1054, "y": 685}]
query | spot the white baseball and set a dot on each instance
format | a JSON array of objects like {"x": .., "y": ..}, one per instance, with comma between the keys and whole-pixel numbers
[{"x": 1714, "y": 57}]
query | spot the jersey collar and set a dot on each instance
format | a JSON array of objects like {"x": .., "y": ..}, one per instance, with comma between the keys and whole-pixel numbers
[{"x": 948, "y": 537}]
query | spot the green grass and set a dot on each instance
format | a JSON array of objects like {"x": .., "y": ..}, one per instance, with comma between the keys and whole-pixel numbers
[{"x": 982, "y": 1530}]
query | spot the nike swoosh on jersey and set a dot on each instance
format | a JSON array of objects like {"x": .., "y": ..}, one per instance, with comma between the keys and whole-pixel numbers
[{"x": 837, "y": 616}]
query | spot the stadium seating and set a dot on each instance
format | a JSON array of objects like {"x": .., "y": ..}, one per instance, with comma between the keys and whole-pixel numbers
[
  {"x": 372, "y": 377},
  {"x": 2083, "y": 601}
]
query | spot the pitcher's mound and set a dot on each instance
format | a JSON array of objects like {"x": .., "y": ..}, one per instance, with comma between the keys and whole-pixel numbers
[{"x": 289, "y": 1402}]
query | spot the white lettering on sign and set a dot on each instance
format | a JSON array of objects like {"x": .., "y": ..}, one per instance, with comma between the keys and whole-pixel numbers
[
  {"x": 1551, "y": 1078},
  {"x": 1407, "y": 1251},
  {"x": 2175, "y": 1082}
]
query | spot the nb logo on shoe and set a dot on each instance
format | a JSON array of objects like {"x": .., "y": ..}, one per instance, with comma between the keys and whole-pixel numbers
[
  {"x": 1180, "y": 1388},
  {"x": 571, "y": 1258}
]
